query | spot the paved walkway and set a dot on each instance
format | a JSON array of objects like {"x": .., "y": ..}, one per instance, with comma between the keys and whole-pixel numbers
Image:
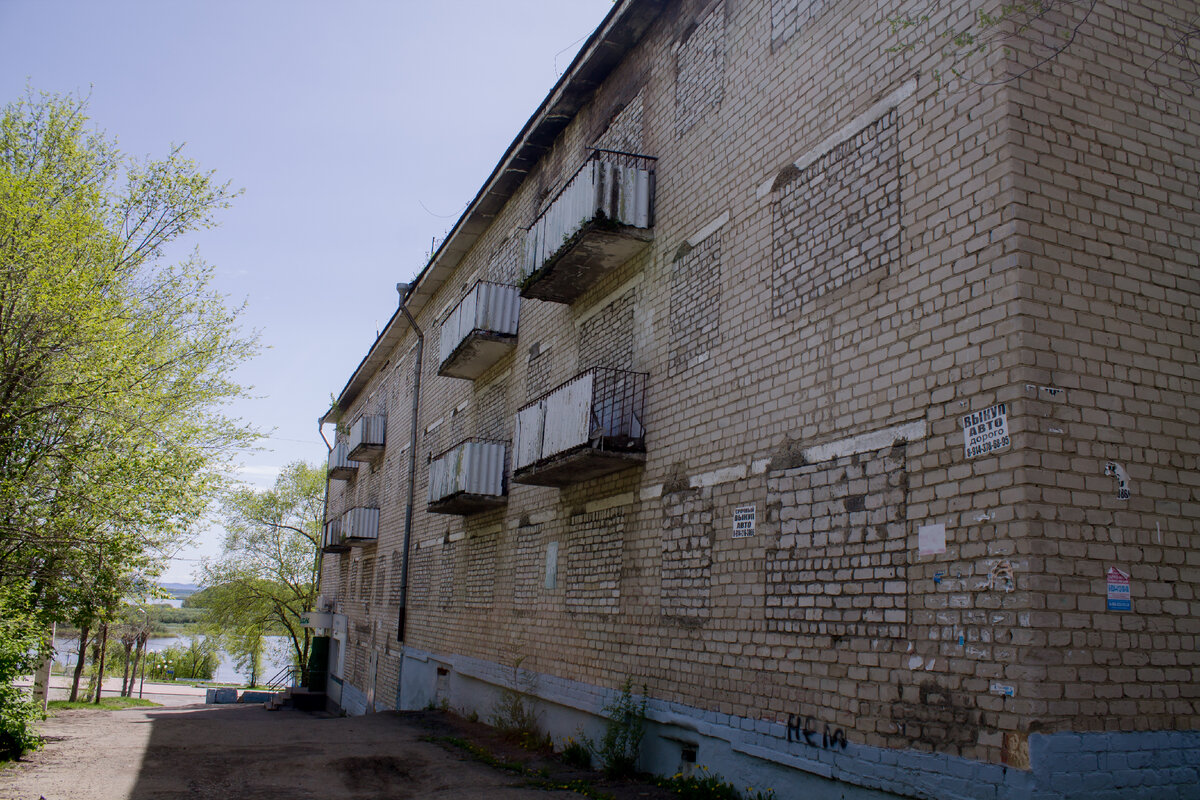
[{"x": 166, "y": 694}]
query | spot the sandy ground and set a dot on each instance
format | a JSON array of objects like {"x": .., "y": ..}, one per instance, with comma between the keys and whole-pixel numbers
[{"x": 249, "y": 753}]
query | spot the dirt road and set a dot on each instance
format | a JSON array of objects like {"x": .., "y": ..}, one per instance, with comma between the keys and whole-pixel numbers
[{"x": 248, "y": 753}]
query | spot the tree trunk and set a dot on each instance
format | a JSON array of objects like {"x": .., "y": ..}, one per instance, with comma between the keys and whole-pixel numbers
[
  {"x": 138, "y": 647},
  {"x": 83, "y": 638},
  {"x": 100, "y": 661},
  {"x": 125, "y": 677},
  {"x": 41, "y": 681}
]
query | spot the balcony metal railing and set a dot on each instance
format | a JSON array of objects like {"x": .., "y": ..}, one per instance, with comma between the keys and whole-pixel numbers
[
  {"x": 360, "y": 525},
  {"x": 468, "y": 477},
  {"x": 613, "y": 192},
  {"x": 367, "y": 437},
  {"x": 480, "y": 330},
  {"x": 600, "y": 410},
  {"x": 340, "y": 466}
]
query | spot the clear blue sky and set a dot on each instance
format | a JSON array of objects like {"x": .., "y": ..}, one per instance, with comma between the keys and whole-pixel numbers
[{"x": 358, "y": 131}]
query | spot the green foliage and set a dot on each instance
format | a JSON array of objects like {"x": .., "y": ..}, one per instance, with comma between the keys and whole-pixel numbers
[
  {"x": 267, "y": 574},
  {"x": 620, "y": 746},
  {"x": 110, "y": 703},
  {"x": 197, "y": 661},
  {"x": 710, "y": 787},
  {"x": 576, "y": 754},
  {"x": 514, "y": 713},
  {"x": 20, "y": 649},
  {"x": 114, "y": 366}
]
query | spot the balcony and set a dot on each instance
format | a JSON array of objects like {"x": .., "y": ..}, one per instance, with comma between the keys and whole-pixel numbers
[
  {"x": 360, "y": 526},
  {"x": 333, "y": 541},
  {"x": 468, "y": 478},
  {"x": 588, "y": 427},
  {"x": 366, "y": 438},
  {"x": 480, "y": 330},
  {"x": 341, "y": 468},
  {"x": 603, "y": 217}
]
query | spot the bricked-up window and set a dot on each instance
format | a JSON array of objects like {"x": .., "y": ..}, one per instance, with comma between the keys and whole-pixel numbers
[
  {"x": 700, "y": 70},
  {"x": 481, "y": 569},
  {"x": 686, "y": 558},
  {"x": 593, "y": 580},
  {"x": 491, "y": 412},
  {"x": 838, "y": 219},
  {"x": 380, "y": 581},
  {"x": 606, "y": 340},
  {"x": 527, "y": 571},
  {"x": 368, "y": 575},
  {"x": 397, "y": 569},
  {"x": 789, "y": 17},
  {"x": 444, "y": 576},
  {"x": 343, "y": 587},
  {"x": 695, "y": 303},
  {"x": 624, "y": 133},
  {"x": 840, "y": 565}
]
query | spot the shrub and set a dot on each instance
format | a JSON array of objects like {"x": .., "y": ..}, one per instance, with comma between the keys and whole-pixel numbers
[{"x": 619, "y": 747}]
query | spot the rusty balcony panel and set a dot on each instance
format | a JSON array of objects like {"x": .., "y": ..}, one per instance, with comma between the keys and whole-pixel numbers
[
  {"x": 360, "y": 526},
  {"x": 367, "y": 438},
  {"x": 341, "y": 468},
  {"x": 588, "y": 427},
  {"x": 480, "y": 330},
  {"x": 333, "y": 541},
  {"x": 468, "y": 478},
  {"x": 602, "y": 218}
]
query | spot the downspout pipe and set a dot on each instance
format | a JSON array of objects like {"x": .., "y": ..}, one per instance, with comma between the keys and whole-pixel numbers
[{"x": 402, "y": 288}]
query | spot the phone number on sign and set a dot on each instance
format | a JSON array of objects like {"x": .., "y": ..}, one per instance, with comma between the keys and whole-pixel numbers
[{"x": 987, "y": 447}]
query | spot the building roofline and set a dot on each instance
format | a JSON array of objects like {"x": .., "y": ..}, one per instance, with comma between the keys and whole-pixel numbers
[{"x": 620, "y": 31}]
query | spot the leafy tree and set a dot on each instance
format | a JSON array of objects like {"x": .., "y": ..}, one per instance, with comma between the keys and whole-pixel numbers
[
  {"x": 267, "y": 574},
  {"x": 20, "y": 648},
  {"x": 114, "y": 365}
]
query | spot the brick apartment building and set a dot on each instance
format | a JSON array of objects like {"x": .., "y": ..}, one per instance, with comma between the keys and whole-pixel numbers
[{"x": 851, "y": 409}]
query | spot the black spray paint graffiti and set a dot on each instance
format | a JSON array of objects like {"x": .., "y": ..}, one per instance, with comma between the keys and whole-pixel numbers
[{"x": 804, "y": 728}]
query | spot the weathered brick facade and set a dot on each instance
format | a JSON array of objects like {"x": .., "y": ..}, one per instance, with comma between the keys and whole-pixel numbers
[{"x": 849, "y": 257}]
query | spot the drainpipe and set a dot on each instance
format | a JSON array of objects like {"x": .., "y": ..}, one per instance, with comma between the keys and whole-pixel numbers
[{"x": 401, "y": 288}]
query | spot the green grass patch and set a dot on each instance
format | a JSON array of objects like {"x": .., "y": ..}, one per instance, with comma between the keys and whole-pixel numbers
[{"x": 105, "y": 702}]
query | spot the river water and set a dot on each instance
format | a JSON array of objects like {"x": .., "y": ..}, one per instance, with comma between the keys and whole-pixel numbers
[{"x": 276, "y": 656}]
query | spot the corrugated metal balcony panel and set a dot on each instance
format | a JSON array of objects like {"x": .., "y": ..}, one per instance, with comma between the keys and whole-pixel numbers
[
  {"x": 568, "y": 416},
  {"x": 333, "y": 541},
  {"x": 360, "y": 525},
  {"x": 589, "y": 426},
  {"x": 366, "y": 439},
  {"x": 340, "y": 466},
  {"x": 468, "y": 478},
  {"x": 527, "y": 441},
  {"x": 599, "y": 220},
  {"x": 480, "y": 330}
]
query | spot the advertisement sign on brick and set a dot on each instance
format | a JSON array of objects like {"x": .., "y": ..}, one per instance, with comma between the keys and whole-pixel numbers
[
  {"x": 1119, "y": 598},
  {"x": 986, "y": 431}
]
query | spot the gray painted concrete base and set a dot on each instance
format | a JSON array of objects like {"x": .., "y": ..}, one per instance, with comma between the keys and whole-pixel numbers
[{"x": 1156, "y": 765}]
